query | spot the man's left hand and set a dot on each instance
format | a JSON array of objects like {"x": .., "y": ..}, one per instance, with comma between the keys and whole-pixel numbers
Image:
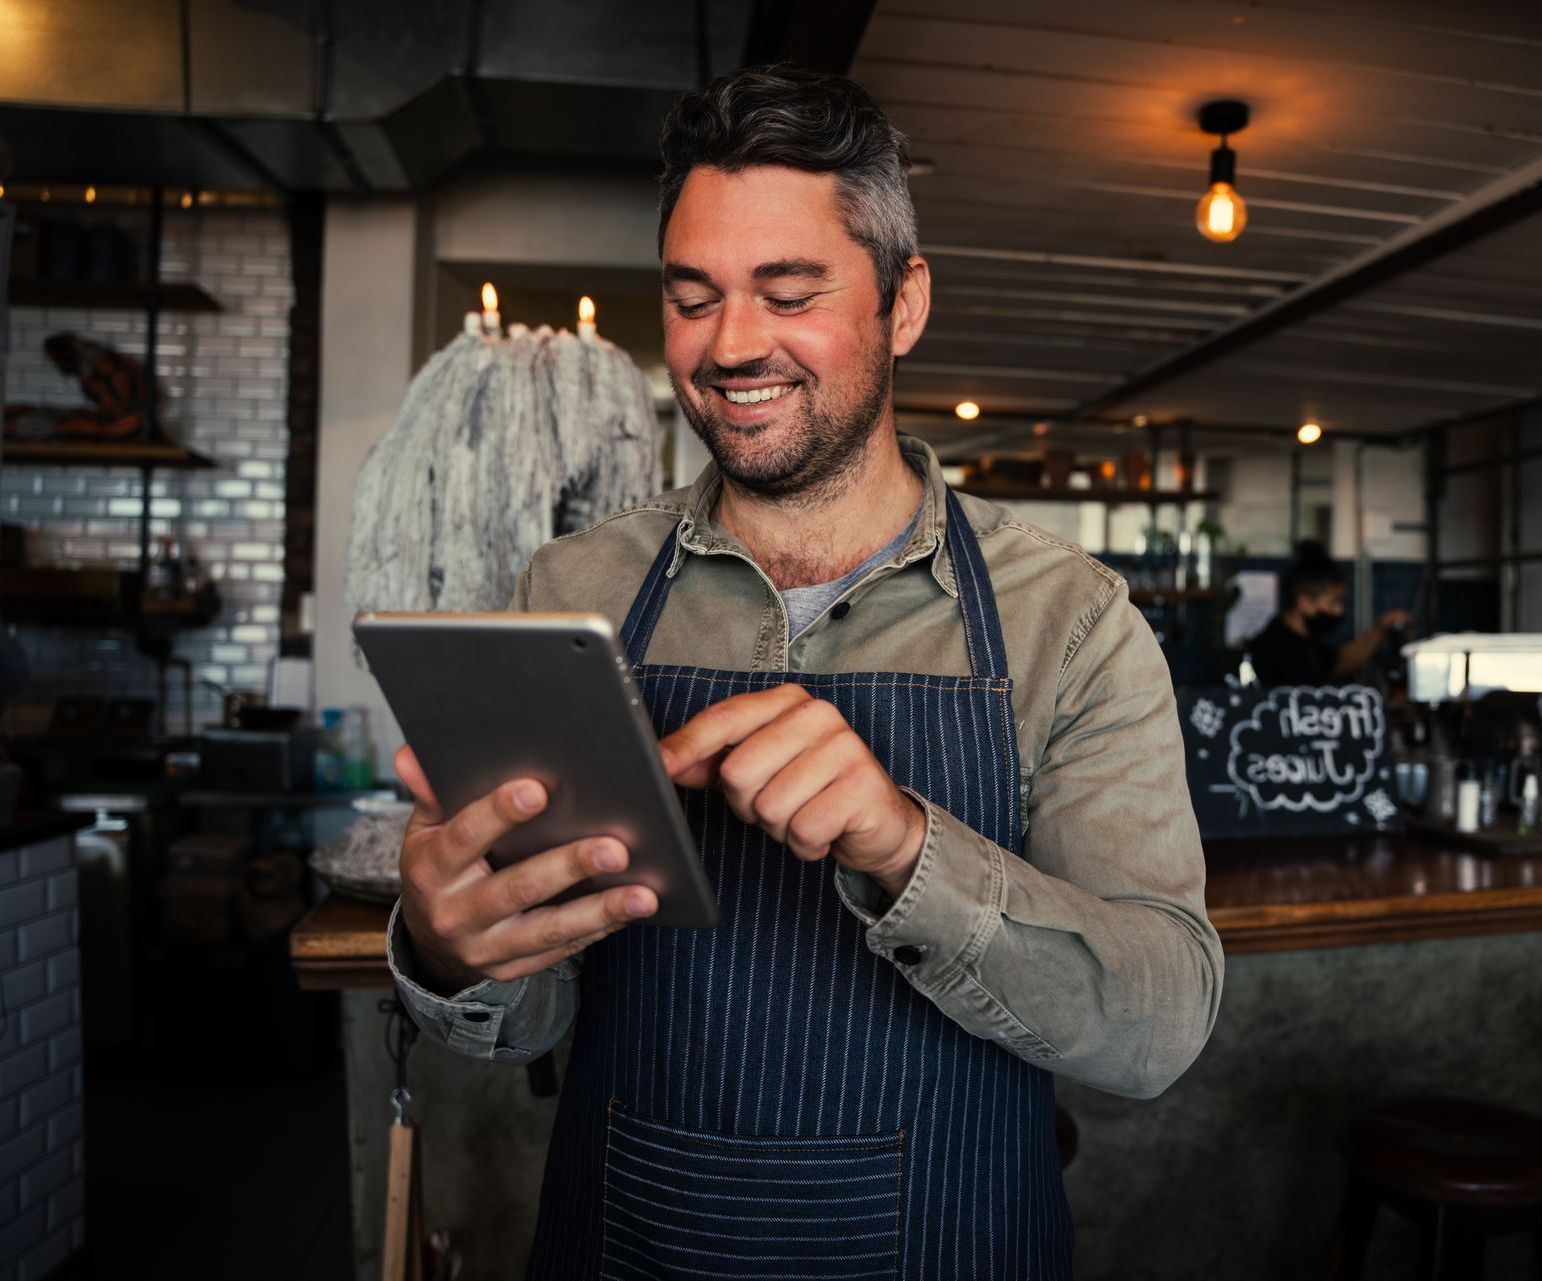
[{"x": 790, "y": 763}]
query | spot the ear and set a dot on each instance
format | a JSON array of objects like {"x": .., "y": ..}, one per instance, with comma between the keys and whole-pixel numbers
[{"x": 912, "y": 305}]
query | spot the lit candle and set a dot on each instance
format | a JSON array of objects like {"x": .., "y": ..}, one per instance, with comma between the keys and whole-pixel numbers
[
  {"x": 586, "y": 325},
  {"x": 492, "y": 323}
]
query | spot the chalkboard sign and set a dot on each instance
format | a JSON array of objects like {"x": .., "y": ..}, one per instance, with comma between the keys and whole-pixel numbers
[{"x": 1290, "y": 761}]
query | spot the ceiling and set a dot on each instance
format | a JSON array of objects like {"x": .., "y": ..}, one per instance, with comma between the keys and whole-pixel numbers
[
  {"x": 1391, "y": 270},
  {"x": 1388, "y": 278}
]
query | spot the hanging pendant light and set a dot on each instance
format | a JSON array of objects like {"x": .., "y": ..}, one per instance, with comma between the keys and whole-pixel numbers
[{"x": 1222, "y": 213}]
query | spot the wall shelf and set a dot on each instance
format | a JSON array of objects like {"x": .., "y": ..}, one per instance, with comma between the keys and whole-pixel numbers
[
  {"x": 1171, "y": 596},
  {"x": 1113, "y": 497},
  {"x": 111, "y": 296},
  {"x": 99, "y": 597},
  {"x": 66, "y": 453}
]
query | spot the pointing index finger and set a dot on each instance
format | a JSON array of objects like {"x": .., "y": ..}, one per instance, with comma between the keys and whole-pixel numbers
[{"x": 690, "y": 752}]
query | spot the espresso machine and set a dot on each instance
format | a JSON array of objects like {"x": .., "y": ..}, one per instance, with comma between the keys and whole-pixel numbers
[{"x": 1475, "y": 707}]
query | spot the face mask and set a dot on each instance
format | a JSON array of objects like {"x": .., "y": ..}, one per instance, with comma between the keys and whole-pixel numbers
[{"x": 1322, "y": 625}]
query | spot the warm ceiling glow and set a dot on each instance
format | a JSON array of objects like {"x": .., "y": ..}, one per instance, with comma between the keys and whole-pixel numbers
[
  {"x": 187, "y": 200},
  {"x": 489, "y": 297},
  {"x": 1221, "y": 215},
  {"x": 1309, "y": 433},
  {"x": 90, "y": 195},
  {"x": 2, "y": 191},
  {"x": 967, "y": 410},
  {"x": 586, "y": 309}
]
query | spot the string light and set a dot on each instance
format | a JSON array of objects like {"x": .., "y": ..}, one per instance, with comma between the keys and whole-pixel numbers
[
  {"x": 967, "y": 410},
  {"x": 1309, "y": 433},
  {"x": 90, "y": 195}
]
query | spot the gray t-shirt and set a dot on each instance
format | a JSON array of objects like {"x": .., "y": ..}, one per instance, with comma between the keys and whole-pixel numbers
[{"x": 805, "y": 604}]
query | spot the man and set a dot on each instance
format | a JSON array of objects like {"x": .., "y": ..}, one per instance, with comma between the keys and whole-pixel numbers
[
  {"x": 930, "y": 755},
  {"x": 1294, "y": 648}
]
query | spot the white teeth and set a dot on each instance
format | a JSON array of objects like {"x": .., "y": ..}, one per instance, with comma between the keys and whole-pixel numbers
[{"x": 758, "y": 394}]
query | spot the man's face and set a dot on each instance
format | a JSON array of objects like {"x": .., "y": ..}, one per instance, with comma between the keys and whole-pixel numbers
[{"x": 775, "y": 346}]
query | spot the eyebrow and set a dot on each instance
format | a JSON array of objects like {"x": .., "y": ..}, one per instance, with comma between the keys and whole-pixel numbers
[
  {"x": 807, "y": 268},
  {"x": 782, "y": 268}
]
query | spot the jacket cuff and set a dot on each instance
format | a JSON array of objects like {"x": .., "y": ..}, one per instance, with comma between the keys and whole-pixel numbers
[
  {"x": 469, "y": 1021},
  {"x": 949, "y": 910}
]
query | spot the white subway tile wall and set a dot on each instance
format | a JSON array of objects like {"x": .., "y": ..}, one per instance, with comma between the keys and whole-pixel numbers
[
  {"x": 224, "y": 387},
  {"x": 42, "y": 1171}
]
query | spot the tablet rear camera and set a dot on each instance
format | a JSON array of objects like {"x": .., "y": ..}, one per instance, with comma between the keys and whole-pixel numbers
[{"x": 580, "y": 642}]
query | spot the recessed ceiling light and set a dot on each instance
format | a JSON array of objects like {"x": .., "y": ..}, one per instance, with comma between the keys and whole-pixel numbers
[
  {"x": 1309, "y": 433},
  {"x": 967, "y": 410}
]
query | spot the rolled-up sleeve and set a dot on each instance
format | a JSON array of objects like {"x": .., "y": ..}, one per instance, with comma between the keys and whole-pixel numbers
[
  {"x": 1090, "y": 954},
  {"x": 510, "y": 1022}
]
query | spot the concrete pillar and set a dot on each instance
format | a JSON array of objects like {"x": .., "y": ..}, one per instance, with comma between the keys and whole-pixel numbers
[{"x": 367, "y": 339}]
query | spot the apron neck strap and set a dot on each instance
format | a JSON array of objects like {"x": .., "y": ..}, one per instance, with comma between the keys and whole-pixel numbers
[
  {"x": 648, "y": 605},
  {"x": 982, "y": 622},
  {"x": 976, "y": 597}
]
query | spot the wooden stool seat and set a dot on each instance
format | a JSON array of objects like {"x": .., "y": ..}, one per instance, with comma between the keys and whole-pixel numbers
[
  {"x": 1460, "y": 1169},
  {"x": 1454, "y": 1151}
]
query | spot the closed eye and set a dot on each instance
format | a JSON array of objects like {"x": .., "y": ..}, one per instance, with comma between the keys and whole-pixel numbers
[{"x": 789, "y": 305}]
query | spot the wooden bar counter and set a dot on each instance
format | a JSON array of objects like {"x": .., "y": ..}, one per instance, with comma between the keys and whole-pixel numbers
[
  {"x": 1263, "y": 896},
  {"x": 1356, "y": 969}
]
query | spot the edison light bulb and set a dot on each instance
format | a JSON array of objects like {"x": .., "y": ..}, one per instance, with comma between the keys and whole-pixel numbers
[
  {"x": 967, "y": 410},
  {"x": 1309, "y": 433},
  {"x": 1221, "y": 215}
]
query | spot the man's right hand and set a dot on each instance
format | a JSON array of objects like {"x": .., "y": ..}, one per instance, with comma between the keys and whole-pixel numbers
[{"x": 469, "y": 922}]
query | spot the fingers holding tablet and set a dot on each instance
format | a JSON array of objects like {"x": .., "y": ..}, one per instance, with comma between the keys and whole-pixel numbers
[
  {"x": 536, "y": 940},
  {"x": 469, "y": 922}
]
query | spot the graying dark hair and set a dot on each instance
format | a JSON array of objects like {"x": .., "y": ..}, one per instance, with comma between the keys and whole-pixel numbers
[{"x": 808, "y": 120}]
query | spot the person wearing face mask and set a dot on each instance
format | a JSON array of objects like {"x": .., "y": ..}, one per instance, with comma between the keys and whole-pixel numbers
[{"x": 1294, "y": 648}]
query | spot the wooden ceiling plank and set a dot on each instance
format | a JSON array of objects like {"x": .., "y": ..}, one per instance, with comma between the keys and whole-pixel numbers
[
  {"x": 995, "y": 254},
  {"x": 1287, "y": 109},
  {"x": 1500, "y": 204},
  {"x": 931, "y": 120},
  {"x": 947, "y": 292},
  {"x": 1337, "y": 45}
]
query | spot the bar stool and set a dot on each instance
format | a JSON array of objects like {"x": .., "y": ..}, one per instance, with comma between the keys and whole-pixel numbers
[{"x": 1459, "y": 1169}]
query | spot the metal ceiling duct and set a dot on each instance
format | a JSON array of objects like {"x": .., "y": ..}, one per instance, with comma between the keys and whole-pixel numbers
[{"x": 347, "y": 95}]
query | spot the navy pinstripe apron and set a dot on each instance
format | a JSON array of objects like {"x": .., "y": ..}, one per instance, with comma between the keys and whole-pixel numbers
[{"x": 770, "y": 1099}]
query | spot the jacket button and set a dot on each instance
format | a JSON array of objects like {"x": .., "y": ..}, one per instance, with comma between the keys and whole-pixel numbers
[
  {"x": 907, "y": 954},
  {"x": 841, "y": 610},
  {"x": 476, "y": 1016}
]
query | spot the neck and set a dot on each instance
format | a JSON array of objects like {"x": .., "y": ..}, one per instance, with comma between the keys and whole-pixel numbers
[{"x": 803, "y": 539}]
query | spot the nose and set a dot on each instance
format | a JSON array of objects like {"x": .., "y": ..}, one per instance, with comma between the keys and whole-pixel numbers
[{"x": 743, "y": 334}]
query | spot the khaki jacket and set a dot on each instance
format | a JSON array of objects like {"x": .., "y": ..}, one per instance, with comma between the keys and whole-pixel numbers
[{"x": 1090, "y": 954}]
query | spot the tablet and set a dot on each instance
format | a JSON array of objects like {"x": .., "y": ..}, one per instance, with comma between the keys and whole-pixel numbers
[{"x": 484, "y": 698}]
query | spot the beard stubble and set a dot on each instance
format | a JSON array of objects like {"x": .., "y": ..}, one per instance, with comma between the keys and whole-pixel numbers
[{"x": 813, "y": 464}]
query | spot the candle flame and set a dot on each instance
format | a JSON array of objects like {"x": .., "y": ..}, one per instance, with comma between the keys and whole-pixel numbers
[
  {"x": 586, "y": 309},
  {"x": 489, "y": 297}
]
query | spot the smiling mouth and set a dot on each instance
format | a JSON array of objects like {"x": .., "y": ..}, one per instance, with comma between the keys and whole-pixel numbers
[{"x": 755, "y": 395}]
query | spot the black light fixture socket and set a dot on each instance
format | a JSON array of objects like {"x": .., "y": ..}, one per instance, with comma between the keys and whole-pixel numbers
[
  {"x": 1224, "y": 116},
  {"x": 1223, "y": 166}
]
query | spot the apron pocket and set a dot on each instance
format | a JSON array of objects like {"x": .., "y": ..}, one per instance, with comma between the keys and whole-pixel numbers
[{"x": 680, "y": 1203}]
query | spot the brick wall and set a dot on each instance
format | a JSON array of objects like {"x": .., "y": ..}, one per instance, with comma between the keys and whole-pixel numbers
[
  {"x": 224, "y": 382},
  {"x": 42, "y": 1188}
]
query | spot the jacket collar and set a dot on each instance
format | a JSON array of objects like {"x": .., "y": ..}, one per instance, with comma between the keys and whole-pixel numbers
[{"x": 700, "y": 534}]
